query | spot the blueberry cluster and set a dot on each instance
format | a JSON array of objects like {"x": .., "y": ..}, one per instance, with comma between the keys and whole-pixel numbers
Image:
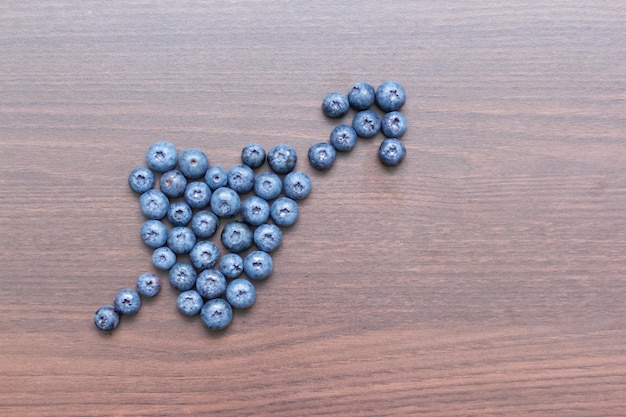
[
  {"x": 366, "y": 123},
  {"x": 184, "y": 201}
]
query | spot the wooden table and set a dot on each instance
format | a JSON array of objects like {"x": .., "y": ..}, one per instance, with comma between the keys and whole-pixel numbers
[{"x": 485, "y": 276}]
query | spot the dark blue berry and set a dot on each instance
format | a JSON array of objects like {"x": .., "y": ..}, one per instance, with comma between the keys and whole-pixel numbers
[
  {"x": 361, "y": 96},
  {"x": 204, "y": 224},
  {"x": 211, "y": 283},
  {"x": 225, "y": 202},
  {"x": 193, "y": 163},
  {"x": 284, "y": 211},
  {"x": 216, "y": 314},
  {"x": 154, "y": 233},
  {"x": 189, "y": 302},
  {"x": 148, "y": 284},
  {"x": 393, "y": 124},
  {"x": 141, "y": 180},
  {"x": 390, "y": 96},
  {"x": 179, "y": 213},
  {"x": 321, "y": 156},
  {"x": 106, "y": 318},
  {"x": 258, "y": 265},
  {"x": 391, "y": 152},
  {"x": 173, "y": 183},
  {"x": 297, "y": 185},
  {"x": 154, "y": 204},
  {"x": 253, "y": 155},
  {"x": 241, "y": 178},
  {"x": 282, "y": 159},
  {"x": 268, "y": 237},
  {"x": 216, "y": 177},
  {"x": 255, "y": 210},
  {"x": 181, "y": 239},
  {"x": 204, "y": 255},
  {"x": 161, "y": 156},
  {"x": 197, "y": 194},
  {"x": 231, "y": 265},
  {"x": 127, "y": 302},
  {"x": 182, "y": 276},
  {"x": 343, "y": 138},
  {"x": 335, "y": 105},
  {"x": 268, "y": 186},
  {"x": 240, "y": 293},
  {"x": 237, "y": 236},
  {"x": 366, "y": 123},
  {"x": 163, "y": 258}
]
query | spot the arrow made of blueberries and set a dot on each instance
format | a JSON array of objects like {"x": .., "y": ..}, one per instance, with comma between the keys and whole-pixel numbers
[{"x": 194, "y": 198}]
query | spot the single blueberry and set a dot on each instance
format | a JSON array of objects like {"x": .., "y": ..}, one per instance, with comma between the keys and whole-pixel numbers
[
  {"x": 216, "y": 177},
  {"x": 181, "y": 239},
  {"x": 197, "y": 194},
  {"x": 173, "y": 183},
  {"x": 141, "y": 179},
  {"x": 189, "y": 302},
  {"x": 236, "y": 236},
  {"x": 258, "y": 265},
  {"x": 241, "y": 178},
  {"x": 268, "y": 185},
  {"x": 154, "y": 233},
  {"x": 154, "y": 204},
  {"x": 253, "y": 155},
  {"x": 284, "y": 211},
  {"x": 361, "y": 96},
  {"x": 106, "y": 318},
  {"x": 179, "y": 213},
  {"x": 225, "y": 202},
  {"x": 343, "y": 138},
  {"x": 211, "y": 283},
  {"x": 163, "y": 258},
  {"x": 393, "y": 124},
  {"x": 148, "y": 284},
  {"x": 127, "y": 302},
  {"x": 335, "y": 105},
  {"x": 193, "y": 163},
  {"x": 204, "y": 224},
  {"x": 231, "y": 265},
  {"x": 391, "y": 152},
  {"x": 390, "y": 96},
  {"x": 282, "y": 159},
  {"x": 216, "y": 314},
  {"x": 240, "y": 293},
  {"x": 366, "y": 123},
  {"x": 297, "y": 185},
  {"x": 204, "y": 255},
  {"x": 321, "y": 156},
  {"x": 268, "y": 237},
  {"x": 182, "y": 276},
  {"x": 255, "y": 210},
  {"x": 161, "y": 156}
]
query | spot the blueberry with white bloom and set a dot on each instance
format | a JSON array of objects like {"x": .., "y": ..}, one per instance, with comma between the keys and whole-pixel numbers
[
  {"x": 197, "y": 194},
  {"x": 237, "y": 236},
  {"x": 268, "y": 237},
  {"x": 322, "y": 156},
  {"x": 216, "y": 177},
  {"x": 258, "y": 265},
  {"x": 154, "y": 204},
  {"x": 361, "y": 96},
  {"x": 284, "y": 211},
  {"x": 335, "y": 105},
  {"x": 127, "y": 302},
  {"x": 343, "y": 138},
  {"x": 231, "y": 265},
  {"x": 241, "y": 178},
  {"x": 148, "y": 284},
  {"x": 240, "y": 293},
  {"x": 106, "y": 318},
  {"x": 204, "y": 224},
  {"x": 163, "y": 258},
  {"x": 182, "y": 276},
  {"x": 268, "y": 185},
  {"x": 225, "y": 202},
  {"x": 204, "y": 255},
  {"x": 173, "y": 183},
  {"x": 181, "y": 239},
  {"x": 297, "y": 185},
  {"x": 141, "y": 179},
  {"x": 366, "y": 123},
  {"x": 390, "y": 96},
  {"x": 193, "y": 163},
  {"x": 393, "y": 124},
  {"x": 161, "y": 156},
  {"x": 253, "y": 155},
  {"x": 211, "y": 283},
  {"x": 282, "y": 159},
  {"x": 391, "y": 152},
  {"x": 216, "y": 314},
  {"x": 154, "y": 233},
  {"x": 189, "y": 302},
  {"x": 179, "y": 213},
  {"x": 255, "y": 210}
]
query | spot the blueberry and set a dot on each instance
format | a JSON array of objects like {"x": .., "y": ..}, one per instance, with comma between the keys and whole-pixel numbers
[
  {"x": 163, "y": 258},
  {"x": 258, "y": 265},
  {"x": 181, "y": 239},
  {"x": 282, "y": 159},
  {"x": 241, "y": 178},
  {"x": 127, "y": 302},
  {"x": 322, "y": 155},
  {"x": 204, "y": 224},
  {"x": 211, "y": 283},
  {"x": 161, "y": 156},
  {"x": 393, "y": 124},
  {"x": 284, "y": 211},
  {"x": 216, "y": 314},
  {"x": 182, "y": 276},
  {"x": 268, "y": 237},
  {"x": 106, "y": 318},
  {"x": 231, "y": 265},
  {"x": 343, "y": 138},
  {"x": 255, "y": 210},
  {"x": 390, "y": 96},
  {"x": 361, "y": 96},
  {"x": 189, "y": 302},
  {"x": 141, "y": 180},
  {"x": 148, "y": 284},
  {"x": 216, "y": 177},
  {"x": 193, "y": 163},
  {"x": 179, "y": 213},
  {"x": 240, "y": 293},
  {"x": 268, "y": 186},
  {"x": 154, "y": 233},
  {"x": 391, "y": 152},
  {"x": 173, "y": 183},
  {"x": 197, "y": 194},
  {"x": 297, "y": 185},
  {"x": 236, "y": 236},
  {"x": 225, "y": 202},
  {"x": 253, "y": 155},
  {"x": 335, "y": 105},
  {"x": 366, "y": 123},
  {"x": 204, "y": 255},
  {"x": 154, "y": 204}
]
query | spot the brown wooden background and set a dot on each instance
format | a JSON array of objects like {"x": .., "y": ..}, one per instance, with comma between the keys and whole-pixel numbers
[{"x": 484, "y": 277}]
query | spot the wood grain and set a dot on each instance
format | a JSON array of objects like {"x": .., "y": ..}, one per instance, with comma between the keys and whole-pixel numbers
[{"x": 483, "y": 277}]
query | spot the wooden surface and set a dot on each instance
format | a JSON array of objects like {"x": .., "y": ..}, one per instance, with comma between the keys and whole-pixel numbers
[{"x": 486, "y": 276}]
